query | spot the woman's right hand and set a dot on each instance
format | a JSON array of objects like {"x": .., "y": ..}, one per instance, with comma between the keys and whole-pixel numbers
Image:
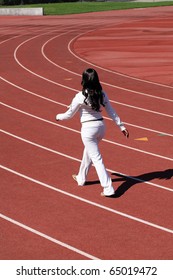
[{"x": 126, "y": 133}]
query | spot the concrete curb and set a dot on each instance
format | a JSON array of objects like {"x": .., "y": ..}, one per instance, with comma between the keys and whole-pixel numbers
[{"x": 21, "y": 11}]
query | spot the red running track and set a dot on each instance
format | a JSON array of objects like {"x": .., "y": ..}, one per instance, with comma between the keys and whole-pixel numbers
[{"x": 44, "y": 215}]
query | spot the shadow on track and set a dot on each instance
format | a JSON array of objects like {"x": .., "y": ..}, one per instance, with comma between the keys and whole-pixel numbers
[{"x": 130, "y": 181}]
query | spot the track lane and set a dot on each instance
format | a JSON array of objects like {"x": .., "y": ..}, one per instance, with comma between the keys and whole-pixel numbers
[
  {"x": 34, "y": 244},
  {"x": 92, "y": 191},
  {"x": 40, "y": 109},
  {"x": 51, "y": 96},
  {"x": 170, "y": 107},
  {"x": 136, "y": 50},
  {"x": 143, "y": 178},
  {"x": 22, "y": 53},
  {"x": 29, "y": 202},
  {"x": 37, "y": 159}
]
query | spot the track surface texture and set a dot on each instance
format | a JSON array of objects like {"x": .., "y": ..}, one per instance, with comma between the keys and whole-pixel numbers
[{"x": 43, "y": 213}]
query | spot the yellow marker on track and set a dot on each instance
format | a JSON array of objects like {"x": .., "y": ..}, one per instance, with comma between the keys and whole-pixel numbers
[
  {"x": 68, "y": 79},
  {"x": 142, "y": 139}
]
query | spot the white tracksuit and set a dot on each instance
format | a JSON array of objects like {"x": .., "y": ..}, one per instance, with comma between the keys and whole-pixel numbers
[{"x": 92, "y": 131}]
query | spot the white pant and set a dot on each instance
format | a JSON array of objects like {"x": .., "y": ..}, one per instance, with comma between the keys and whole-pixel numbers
[{"x": 92, "y": 133}]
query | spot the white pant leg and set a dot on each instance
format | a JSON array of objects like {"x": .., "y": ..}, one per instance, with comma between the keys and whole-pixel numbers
[
  {"x": 84, "y": 168},
  {"x": 91, "y": 134}
]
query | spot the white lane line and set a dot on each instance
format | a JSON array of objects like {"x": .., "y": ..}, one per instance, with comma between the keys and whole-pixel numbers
[
  {"x": 142, "y": 109},
  {"x": 111, "y": 71},
  {"x": 104, "y": 69},
  {"x": 62, "y": 85},
  {"x": 32, "y": 93},
  {"x": 88, "y": 201},
  {"x": 78, "y": 160},
  {"x": 74, "y": 130},
  {"x": 64, "y": 105},
  {"x": 137, "y": 150},
  {"x": 65, "y": 69},
  {"x": 30, "y": 71},
  {"x": 47, "y": 237}
]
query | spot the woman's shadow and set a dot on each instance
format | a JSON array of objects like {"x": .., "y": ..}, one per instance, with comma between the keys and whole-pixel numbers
[{"x": 130, "y": 181}]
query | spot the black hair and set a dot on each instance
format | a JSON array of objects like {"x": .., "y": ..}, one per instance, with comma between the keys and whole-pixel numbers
[{"x": 92, "y": 89}]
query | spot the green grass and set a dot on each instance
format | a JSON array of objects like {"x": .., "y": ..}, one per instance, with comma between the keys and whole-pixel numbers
[{"x": 86, "y": 7}]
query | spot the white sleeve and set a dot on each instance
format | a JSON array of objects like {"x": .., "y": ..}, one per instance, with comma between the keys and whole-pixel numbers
[
  {"x": 73, "y": 108},
  {"x": 112, "y": 113}
]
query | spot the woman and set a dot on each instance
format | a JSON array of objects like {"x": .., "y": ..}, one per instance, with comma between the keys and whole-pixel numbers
[{"x": 89, "y": 102}]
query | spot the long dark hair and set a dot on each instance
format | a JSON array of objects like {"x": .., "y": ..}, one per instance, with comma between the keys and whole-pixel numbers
[{"x": 92, "y": 89}]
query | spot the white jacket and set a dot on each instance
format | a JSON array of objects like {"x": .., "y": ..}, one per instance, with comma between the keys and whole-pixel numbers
[{"x": 87, "y": 113}]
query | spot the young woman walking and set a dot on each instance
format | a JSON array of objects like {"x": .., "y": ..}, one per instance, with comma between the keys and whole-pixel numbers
[{"x": 89, "y": 102}]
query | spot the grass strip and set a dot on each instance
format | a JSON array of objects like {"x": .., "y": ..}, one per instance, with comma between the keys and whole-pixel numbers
[{"x": 87, "y": 7}]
